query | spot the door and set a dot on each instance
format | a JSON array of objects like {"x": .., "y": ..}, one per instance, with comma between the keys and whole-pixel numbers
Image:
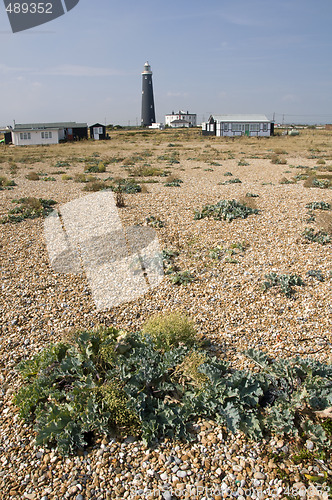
[{"x": 247, "y": 129}]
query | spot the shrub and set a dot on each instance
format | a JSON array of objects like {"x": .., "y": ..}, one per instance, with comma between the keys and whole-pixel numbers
[
  {"x": 226, "y": 174},
  {"x": 128, "y": 186},
  {"x": 172, "y": 181},
  {"x": 29, "y": 208},
  {"x": 312, "y": 181},
  {"x": 170, "y": 330},
  {"x": 32, "y": 176},
  {"x": 95, "y": 186},
  {"x": 285, "y": 282},
  {"x": 284, "y": 180},
  {"x": 279, "y": 151},
  {"x": 242, "y": 163},
  {"x": 96, "y": 168},
  {"x": 321, "y": 162},
  {"x": 66, "y": 177},
  {"x": 277, "y": 160},
  {"x": 6, "y": 183},
  {"x": 226, "y": 210},
  {"x": 147, "y": 171}
]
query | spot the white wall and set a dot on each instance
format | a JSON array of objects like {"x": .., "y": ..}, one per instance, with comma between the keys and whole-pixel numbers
[
  {"x": 35, "y": 137},
  {"x": 220, "y": 131},
  {"x": 181, "y": 116}
]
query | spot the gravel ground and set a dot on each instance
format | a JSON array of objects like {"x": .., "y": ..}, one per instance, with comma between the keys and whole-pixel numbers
[{"x": 225, "y": 300}]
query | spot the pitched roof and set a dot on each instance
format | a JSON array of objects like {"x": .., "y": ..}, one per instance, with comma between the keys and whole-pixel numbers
[
  {"x": 43, "y": 126},
  {"x": 240, "y": 118}
]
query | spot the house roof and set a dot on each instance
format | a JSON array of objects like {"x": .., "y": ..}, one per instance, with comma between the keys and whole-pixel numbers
[
  {"x": 240, "y": 118},
  {"x": 179, "y": 121},
  {"x": 43, "y": 126}
]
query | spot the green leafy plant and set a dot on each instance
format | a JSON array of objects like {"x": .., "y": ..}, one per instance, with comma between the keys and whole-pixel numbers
[
  {"x": 173, "y": 182},
  {"x": 29, "y": 208},
  {"x": 285, "y": 282},
  {"x": 231, "y": 181},
  {"x": 182, "y": 278},
  {"x": 128, "y": 186},
  {"x": 321, "y": 237},
  {"x": 225, "y": 210},
  {"x": 252, "y": 195},
  {"x": 316, "y": 273},
  {"x": 96, "y": 167},
  {"x": 159, "y": 381},
  {"x": 170, "y": 330},
  {"x": 318, "y": 205},
  {"x": 153, "y": 221}
]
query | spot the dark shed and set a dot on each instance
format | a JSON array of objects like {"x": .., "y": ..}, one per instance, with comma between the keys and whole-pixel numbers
[{"x": 98, "y": 132}]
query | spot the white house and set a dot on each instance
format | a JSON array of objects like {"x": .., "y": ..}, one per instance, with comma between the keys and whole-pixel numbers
[
  {"x": 181, "y": 119},
  {"x": 237, "y": 125},
  {"x": 27, "y": 134},
  {"x": 158, "y": 126}
]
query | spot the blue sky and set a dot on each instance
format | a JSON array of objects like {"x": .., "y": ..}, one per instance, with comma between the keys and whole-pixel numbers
[{"x": 212, "y": 56}]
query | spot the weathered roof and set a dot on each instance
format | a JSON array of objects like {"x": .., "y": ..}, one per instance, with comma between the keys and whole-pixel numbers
[
  {"x": 53, "y": 126},
  {"x": 240, "y": 118}
]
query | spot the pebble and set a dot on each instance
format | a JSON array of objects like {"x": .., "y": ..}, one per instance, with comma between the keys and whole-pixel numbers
[{"x": 41, "y": 305}]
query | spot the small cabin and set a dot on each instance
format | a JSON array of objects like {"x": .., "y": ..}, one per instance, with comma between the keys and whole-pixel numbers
[{"x": 98, "y": 132}]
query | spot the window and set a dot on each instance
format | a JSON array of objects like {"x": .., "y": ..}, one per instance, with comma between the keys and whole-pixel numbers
[
  {"x": 237, "y": 127},
  {"x": 254, "y": 127},
  {"x": 225, "y": 127},
  {"x": 46, "y": 135},
  {"x": 264, "y": 127},
  {"x": 25, "y": 135}
]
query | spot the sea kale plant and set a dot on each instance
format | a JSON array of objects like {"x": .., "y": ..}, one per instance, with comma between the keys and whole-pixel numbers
[
  {"x": 158, "y": 382},
  {"x": 285, "y": 282},
  {"x": 320, "y": 236},
  {"x": 29, "y": 208},
  {"x": 226, "y": 210}
]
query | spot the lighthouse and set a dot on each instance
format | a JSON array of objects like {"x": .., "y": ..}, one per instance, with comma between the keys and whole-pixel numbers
[{"x": 148, "y": 113}]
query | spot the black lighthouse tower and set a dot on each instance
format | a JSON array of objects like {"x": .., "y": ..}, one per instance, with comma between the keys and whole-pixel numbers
[{"x": 148, "y": 113}]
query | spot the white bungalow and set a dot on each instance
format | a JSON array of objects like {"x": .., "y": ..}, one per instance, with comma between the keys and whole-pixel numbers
[
  {"x": 237, "y": 125},
  {"x": 47, "y": 133}
]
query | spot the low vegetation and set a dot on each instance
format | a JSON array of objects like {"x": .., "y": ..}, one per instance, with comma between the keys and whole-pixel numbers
[
  {"x": 284, "y": 282},
  {"x": 158, "y": 382},
  {"x": 225, "y": 210},
  {"x": 29, "y": 208},
  {"x": 322, "y": 237}
]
